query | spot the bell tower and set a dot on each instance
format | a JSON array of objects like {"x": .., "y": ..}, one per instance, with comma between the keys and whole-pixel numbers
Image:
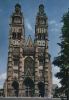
[
  {"x": 43, "y": 63},
  {"x": 15, "y": 62}
]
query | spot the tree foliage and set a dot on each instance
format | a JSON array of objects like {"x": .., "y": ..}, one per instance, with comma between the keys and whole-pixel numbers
[
  {"x": 62, "y": 60},
  {"x": 56, "y": 94}
]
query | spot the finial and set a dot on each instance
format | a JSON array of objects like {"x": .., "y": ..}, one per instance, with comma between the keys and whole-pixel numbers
[
  {"x": 41, "y": 8},
  {"x": 17, "y": 7}
]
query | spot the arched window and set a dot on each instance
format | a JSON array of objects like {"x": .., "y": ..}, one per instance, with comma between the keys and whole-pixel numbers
[
  {"x": 15, "y": 85},
  {"x": 19, "y": 36},
  {"x": 41, "y": 87},
  {"x": 43, "y": 36},
  {"x": 29, "y": 86},
  {"x": 39, "y": 36},
  {"x": 29, "y": 66},
  {"x": 13, "y": 35},
  {"x": 16, "y": 60},
  {"x": 29, "y": 72}
]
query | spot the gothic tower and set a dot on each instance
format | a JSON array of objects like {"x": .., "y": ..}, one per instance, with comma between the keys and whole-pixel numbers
[
  {"x": 29, "y": 65},
  {"x": 43, "y": 63},
  {"x": 16, "y": 42}
]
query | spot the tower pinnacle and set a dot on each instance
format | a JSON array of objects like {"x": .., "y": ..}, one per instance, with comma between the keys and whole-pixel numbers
[
  {"x": 41, "y": 8},
  {"x": 18, "y": 7}
]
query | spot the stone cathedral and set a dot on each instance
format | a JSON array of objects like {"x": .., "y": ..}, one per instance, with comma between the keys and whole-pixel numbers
[{"x": 29, "y": 66}]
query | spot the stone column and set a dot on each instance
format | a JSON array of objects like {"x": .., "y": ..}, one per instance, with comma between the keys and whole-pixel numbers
[
  {"x": 21, "y": 72},
  {"x": 47, "y": 73},
  {"x": 36, "y": 72},
  {"x": 9, "y": 71},
  {"x": 46, "y": 67}
]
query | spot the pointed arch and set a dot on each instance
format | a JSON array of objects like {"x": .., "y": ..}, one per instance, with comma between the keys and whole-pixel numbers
[
  {"x": 15, "y": 86},
  {"x": 13, "y": 35},
  {"x": 29, "y": 86},
  {"x": 28, "y": 66},
  {"x": 41, "y": 87}
]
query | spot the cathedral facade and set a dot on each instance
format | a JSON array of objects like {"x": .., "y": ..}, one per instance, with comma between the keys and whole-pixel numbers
[{"x": 29, "y": 66}]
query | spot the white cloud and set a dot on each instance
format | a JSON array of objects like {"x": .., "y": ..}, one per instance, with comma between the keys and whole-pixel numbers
[
  {"x": 56, "y": 81},
  {"x": 1, "y": 86},
  {"x": 2, "y": 76},
  {"x": 55, "y": 23},
  {"x": 2, "y": 79},
  {"x": 55, "y": 69},
  {"x": 52, "y": 22},
  {"x": 55, "y": 26},
  {"x": 28, "y": 25},
  {"x": 54, "y": 30}
]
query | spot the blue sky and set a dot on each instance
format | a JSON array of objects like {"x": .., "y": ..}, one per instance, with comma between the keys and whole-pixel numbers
[{"x": 54, "y": 10}]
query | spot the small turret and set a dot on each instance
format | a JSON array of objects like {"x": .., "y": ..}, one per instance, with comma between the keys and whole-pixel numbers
[
  {"x": 41, "y": 8},
  {"x": 17, "y": 8}
]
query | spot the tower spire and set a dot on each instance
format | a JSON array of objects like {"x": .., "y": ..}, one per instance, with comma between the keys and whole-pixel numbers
[
  {"x": 15, "y": 52},
  {"x": 44, "y": 66}
]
